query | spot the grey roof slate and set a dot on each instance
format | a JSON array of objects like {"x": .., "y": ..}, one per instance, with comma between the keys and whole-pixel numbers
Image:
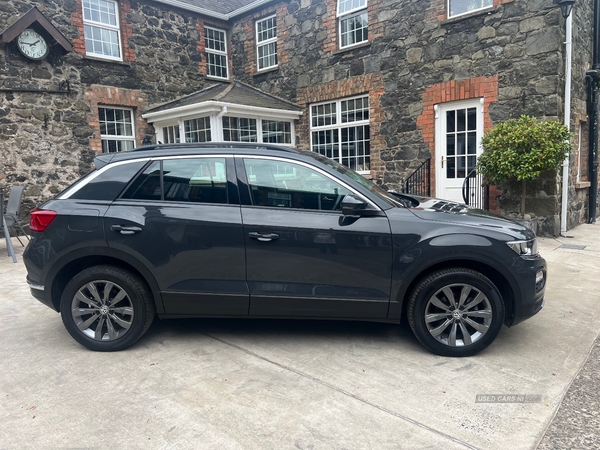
[
  {"x": 218, "y": 6},
  {"x": 236, "y": 93}
]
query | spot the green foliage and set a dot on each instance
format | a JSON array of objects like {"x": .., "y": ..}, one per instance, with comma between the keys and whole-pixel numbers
[{"x": 521, "y": 149}]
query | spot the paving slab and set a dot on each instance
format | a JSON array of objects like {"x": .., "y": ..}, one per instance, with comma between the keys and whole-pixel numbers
[{"x": 200, "y": 383}]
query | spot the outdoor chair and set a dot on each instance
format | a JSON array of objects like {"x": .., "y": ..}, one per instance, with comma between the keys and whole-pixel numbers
[{"x": 11, "y": 216}]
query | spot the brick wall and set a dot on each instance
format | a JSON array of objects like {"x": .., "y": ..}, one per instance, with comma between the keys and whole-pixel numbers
[
  {"x": 367, "y": 84},
  {"x": 117, "y": 97}
]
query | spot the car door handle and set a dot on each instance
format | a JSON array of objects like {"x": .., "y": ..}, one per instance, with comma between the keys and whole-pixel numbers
[
  {"x": 125, "y": 230},
  {"x": 263, "y": 237}
]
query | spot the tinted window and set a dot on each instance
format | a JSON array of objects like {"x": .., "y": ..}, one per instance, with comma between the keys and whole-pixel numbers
[
  {"x": 288, "y": 185},
  {"x": 199, "y": 180},
  {"x": 109, "y": 184}
]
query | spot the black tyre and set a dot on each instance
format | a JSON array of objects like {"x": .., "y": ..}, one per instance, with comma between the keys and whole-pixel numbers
[
  {"x": 106, "y": 308},
  {"x": 456, "y": 312}
]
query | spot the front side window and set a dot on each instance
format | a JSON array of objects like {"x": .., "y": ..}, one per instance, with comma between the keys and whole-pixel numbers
[
  {"x": 116, "y": 129},
  {"x": 266, "y": 43},
  {"x": 239, "y": 129},
  {"x": 340, "y": 131},
  {"x": 216, "y": 52},
  {"x": 195, "y": 180},
  {"x": 101, "y": 28},
  {"x": 353, "y": 22},
  {"x": 458, "y": 7},
  {"x": 281, "y": 184},
  {"x": 197, "y": 130}
]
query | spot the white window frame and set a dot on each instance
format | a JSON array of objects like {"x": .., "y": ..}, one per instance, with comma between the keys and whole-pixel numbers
[
  {"x": 265, "y": 43},
  {"x": 216, "y": 52},
  {"x": 339, "y": 125},
  {"x": 113, "y": 137},
  {"x": 105, "y": 26},
  {"x": 216, "y": 126},
  {"x": 481, "y": 8},
  {"x": 346, "y": 15}
]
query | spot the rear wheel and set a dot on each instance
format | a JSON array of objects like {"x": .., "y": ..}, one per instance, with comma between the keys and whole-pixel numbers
[
  {"x": 456, "y": 312},
  {"x": 106, "y": 308}
]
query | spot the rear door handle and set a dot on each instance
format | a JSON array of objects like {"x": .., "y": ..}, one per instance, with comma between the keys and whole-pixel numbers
[
  {"x": 125, "y": 230},
  {"x": 263, "y": 237}
]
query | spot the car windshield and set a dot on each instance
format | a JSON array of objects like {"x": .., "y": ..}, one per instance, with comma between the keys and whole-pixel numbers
[{"x": 381, "y": 193}]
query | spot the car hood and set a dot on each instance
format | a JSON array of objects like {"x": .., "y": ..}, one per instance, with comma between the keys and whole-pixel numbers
[{"x": 457, "y": 213}]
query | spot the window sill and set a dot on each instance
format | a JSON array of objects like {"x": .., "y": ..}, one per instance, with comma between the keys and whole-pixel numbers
[
  {"x": 210, "y": 77},
  {"x": 479, "y": 12},
  {"x": 106, "y": 60},
  {"x": 264, "y": 71},
  {"x": 351, "y": 47},
  {"x": 582, "y": 184}
]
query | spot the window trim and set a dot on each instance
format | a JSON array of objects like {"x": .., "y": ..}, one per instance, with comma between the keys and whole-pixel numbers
[
  {"x": 265, "y": 43},
  {"x": 348, "y": 15},
  {"x": 112, "y": 137},
  {"x": 217, "y": 52},
  {"x": 102, "y": 25},
  {"x": 339, "y": 125},
  {"x": 477, "y": 10}
]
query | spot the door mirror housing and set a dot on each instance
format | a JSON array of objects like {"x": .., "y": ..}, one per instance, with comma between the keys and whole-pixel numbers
[{"x": 353, "y": 206}]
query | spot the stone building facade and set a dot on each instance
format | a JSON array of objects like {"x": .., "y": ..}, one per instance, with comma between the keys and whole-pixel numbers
[{"x": 380, "y": 85}]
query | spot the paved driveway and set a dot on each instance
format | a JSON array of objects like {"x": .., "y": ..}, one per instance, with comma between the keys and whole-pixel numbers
[{"x": 243, "y": 384}]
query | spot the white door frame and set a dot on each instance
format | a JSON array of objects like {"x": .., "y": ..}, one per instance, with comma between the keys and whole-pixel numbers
[{"x": 451, "y": 189}]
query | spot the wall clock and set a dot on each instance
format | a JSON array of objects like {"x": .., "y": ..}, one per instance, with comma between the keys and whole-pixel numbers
[{"x": 32, "y": 44}]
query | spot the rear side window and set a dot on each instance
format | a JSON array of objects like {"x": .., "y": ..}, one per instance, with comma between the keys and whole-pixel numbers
[
  {"x": 110, "y": 183},
  {"x": 197, "y": 180}
]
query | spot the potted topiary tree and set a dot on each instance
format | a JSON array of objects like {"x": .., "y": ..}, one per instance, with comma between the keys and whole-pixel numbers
[{"x": 521, "y": 149}]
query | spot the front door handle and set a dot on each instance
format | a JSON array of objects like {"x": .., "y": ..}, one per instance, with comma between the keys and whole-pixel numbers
[
  {"x": 125, "y": 230},
  {"x": 263, "y": 237}
]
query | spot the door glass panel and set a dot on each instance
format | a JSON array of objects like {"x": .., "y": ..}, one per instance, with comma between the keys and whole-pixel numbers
[
  {"x": 450, "y": 144},
  {"x": 460, "y": 167},
  {"x": 460, "y": 120},
  {"x": 472, "y": 143},
  {"x": 450, "y": 126},
  {"x": 460, "y": 144},
  {"x": 472, "y": 118},
  {"x": 451, "y": 168},
  {"x": 281, "y": 184}
]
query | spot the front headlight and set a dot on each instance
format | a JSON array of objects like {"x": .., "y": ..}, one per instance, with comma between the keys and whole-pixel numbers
[{"x": 524, "y": 247}]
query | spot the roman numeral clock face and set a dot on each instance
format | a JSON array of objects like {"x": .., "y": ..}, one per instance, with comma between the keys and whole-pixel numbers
[{"x": 32, "y": 44}]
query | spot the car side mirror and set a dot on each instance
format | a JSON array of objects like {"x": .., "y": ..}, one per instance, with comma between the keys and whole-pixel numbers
[{"x": 353, "y": 206}]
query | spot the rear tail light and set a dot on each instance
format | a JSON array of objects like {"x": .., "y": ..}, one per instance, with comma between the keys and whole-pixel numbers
[{"x": 40, "y": 219}]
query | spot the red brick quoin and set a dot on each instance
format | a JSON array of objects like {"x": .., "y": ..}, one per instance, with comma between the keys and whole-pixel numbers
[
  {"x": 126, "y": 30},
  {"x": 481, "y": 87},
  {"x": 111, "y": 96}
]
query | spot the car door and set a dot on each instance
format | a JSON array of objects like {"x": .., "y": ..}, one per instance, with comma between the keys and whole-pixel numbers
[
  {"x": 181, "y": 218},
  {"x": 303, "y": 257}
]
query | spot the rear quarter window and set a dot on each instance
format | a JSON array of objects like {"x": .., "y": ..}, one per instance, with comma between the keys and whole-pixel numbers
[{"x": 110, "y": 183}]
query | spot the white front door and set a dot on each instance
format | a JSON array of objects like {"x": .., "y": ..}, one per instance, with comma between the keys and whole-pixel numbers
[{"x": 458, "y": 133}]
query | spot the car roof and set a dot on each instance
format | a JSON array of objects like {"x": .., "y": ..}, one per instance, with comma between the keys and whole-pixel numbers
[{"x": 196, "y": 148}]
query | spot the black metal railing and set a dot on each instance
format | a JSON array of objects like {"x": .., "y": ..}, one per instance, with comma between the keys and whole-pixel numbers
[
  {"x": 475, "y": 191},
  {"x": 419, "y": 183}
]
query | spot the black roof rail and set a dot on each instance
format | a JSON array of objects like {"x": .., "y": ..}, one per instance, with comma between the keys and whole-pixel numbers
[{"x": 212, "y": 145}]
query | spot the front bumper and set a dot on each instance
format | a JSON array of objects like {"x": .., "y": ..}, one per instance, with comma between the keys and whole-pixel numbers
[{"x": 530, "y": 298}]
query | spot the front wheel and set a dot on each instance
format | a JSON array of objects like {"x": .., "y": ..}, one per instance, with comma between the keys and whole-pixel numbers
[
  {"x": 106, "y": 308},
  {"x": 456, "y": 312}
]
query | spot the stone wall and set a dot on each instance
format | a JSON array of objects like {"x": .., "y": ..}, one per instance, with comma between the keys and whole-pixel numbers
[
  {"x": 414, "y": 49},
  {"x": 50, "y": 140}
]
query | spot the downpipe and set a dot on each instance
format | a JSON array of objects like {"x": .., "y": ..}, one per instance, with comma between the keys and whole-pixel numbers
[
  {"x": 592, "y": 106},
  {"x": 567, "y": 122}
]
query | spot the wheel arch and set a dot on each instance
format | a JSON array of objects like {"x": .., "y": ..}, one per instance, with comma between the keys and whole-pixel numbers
[
  {"x": 75, "y": 263},
  {"x": 502, "y": 282}
]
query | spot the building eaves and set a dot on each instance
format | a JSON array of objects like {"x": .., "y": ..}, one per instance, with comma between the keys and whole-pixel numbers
[{"x": 221, "y": 9}]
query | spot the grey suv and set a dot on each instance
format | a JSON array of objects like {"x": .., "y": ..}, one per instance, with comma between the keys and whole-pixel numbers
[{"x": 222, "y": 230}]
